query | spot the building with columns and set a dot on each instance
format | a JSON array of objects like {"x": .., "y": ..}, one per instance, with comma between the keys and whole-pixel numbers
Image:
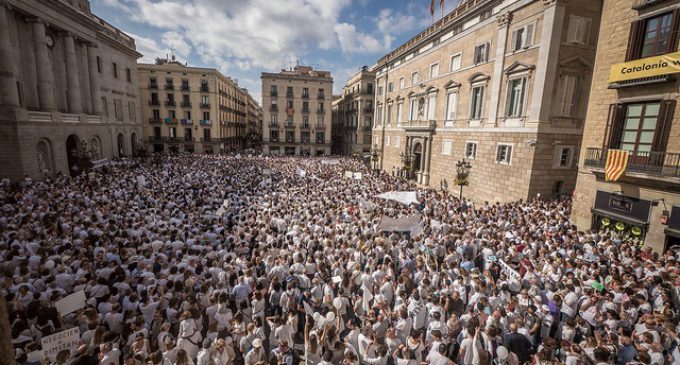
[
  {"x": 191, "y": 109},
  {"x": 68, "y": 87},
  {"x": 502, "y": 84},
  {"x": 296, "y": 106},
  {"x": 634, "y": 110},
  {"x": 353, "y": 114}
]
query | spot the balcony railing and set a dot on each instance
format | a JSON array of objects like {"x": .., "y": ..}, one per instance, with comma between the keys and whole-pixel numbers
[
  {"x": 153, "y": 86},
  {"x": 274, "y": 139},
  {"x": 305, "y": 110},
  {"x": 205, "y": 89},
  {"x": 650, "y": 163},
  {"x": 273, "y": 125},
  {"x": 273, "y": 108},
  {"x": 205, "y": 122},
  {"x": 320, "y": 126},
  {"x": 273, "y": 93},
  {"x": 186, "y": 121},
  {"x": 169, "y": 87},
  {"x": 320, "y": 96},
  {"x": 186, "y": 104},
  {"x": 290, "y": 95},
  {"x": 171, "y": 139},
  {"x": 188, "y": 139},
  {"x": 170, "y": 121},
  {"x": 170, "y": 103},
  {"x": 305, "y": 96},
  {"x": 154, "y": 102},
  {"x": 290, "y": 125},
  {"x": 205, "y": 106},
  {"x": 155, "y": 139},
  {"x": 185, "y": 88},
  {"x": 155, "y": 120},
  {"x": 320, "y": 111},
  {"x": 208, "y": 140},
  {"x": 305, "y": 126}
]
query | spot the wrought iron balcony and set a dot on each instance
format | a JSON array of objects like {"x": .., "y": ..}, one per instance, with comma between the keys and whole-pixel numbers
[
  {"x": 185, "y": 88},
  {"x": 305, "y": 126},
  {"x": 170, "y": 103},
  {"x": 649, "y": 163},
  {"x": 186, "y": 104},
  {"x": 153, "y": 85},
  {"x": 169, "y": 87},
  {"x": 320, "y": 111},
  {"x": 290, "y": 95},
  {"x": 273, "y": 93},
  {"x": 205, "y": 122},
  {"x": 186, "y": 121},
  {"x": 155, "y": 120},
  {"x": 273, "y": 108},
  {"x": 205, "y": 89},
  {"x": 290, "y": 125},
  {"x": 205, "y": 105},
  {"x": 170, "y": 121},
  {"x": 154, "y": 102}
]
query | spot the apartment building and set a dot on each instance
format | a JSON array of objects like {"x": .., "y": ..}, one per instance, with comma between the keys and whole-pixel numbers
[
  {"x": 253, "y": 136},
  {"x": 353, "y": 114},
  {"x": 633, "y": 108},
  {"x": 68, "y": 88},
  {"x": 296, "y": 106},
  {"x": 502, "y": 85},
  {"x": 191, "y": 109}
]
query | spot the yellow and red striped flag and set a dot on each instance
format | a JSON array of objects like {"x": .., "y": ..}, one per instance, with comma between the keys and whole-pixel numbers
[{"x": 617, "y": 160}]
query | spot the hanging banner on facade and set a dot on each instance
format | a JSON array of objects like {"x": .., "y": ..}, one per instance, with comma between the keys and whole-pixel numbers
[
  {"x": 60, "y": 341},
  {"x": 646, "y": 67}
]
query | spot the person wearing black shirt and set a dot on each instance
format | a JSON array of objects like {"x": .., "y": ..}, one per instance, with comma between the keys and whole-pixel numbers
[{"x": 518, "y": 344}]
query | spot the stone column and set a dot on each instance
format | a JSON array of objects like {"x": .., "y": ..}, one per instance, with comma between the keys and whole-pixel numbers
[
  {"x": 423, "y": 162},
  {"x": 85, "y": 78},
  {"x": 499, "y": 64},
  {"x": 8, "y": 81},
  {"x": 546, "y": 68},
  {"x": 94, "y": 79},
  {"x": 427, "y": 160},
  {"x": 43, "y": 66},
  {"x": 75, "y": 104}
]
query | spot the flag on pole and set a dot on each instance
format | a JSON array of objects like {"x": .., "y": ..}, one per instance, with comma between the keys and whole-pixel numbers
[
  {"x": 441, "y": 7},
  {"x": 432, "y": 7},
  {"x": 617, "y": 160}
]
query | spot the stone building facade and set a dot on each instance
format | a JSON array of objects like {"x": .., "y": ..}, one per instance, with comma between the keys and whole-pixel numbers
[
  {"x": 353, "y": 118},
  {"x": 192, "y": 109},
  {"x": 253, "y": 123},
  {"x": 501, "y": 84},
  {"x": 635, "y": 112},
  {"x": 68, "y": 88},
  {"x": 296, "y": 107}
]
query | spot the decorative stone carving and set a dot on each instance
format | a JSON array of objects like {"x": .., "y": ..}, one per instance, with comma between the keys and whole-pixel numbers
[{"x": 504, "y": 19}]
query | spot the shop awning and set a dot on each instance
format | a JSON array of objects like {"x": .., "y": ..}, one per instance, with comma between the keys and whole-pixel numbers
[
  {"x": 672, "y": 232},
  {"x": 619, "y": 217}
]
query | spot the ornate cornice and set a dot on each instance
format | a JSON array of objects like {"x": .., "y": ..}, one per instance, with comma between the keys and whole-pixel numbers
[{"x": 504, "y": 19}]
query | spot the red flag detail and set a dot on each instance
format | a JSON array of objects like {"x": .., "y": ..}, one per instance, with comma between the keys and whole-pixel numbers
[
  {"x": 617, "y": 160},
  {"x": 432, "y": 7}
]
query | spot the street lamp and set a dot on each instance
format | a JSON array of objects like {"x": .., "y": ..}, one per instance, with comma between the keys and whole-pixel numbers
[
  {"x": 462, "y": 172},
  {"x": 375, "y": 154},
  {"x": 407, "y": 158}
]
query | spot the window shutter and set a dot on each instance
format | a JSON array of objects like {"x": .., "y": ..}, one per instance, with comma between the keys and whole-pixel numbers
[
  {"x": 528, "y": 36},
  {"x": 513, "y": 41},
  {"x": 675, "y": 26},
  {"x": 617, "y": 114},
  {"x": 666, "y": 112},
  {"x": 637, "y": 32},
  {"x": 575, "y": 97}
]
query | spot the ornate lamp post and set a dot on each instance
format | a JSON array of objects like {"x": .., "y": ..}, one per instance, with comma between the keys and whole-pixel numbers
[
  {"x": 462, "y": 173},
  {"x": 375, "y": 155},
  {"x": 407, "y": 158}
]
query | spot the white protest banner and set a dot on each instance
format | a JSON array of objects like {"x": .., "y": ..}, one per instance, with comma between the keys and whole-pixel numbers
[
  {"x": 509, "y": 271},
  {"x": 348, "y": 174},
  {"x": 330, "y": 162},
  {"x": 301, "y": 172},
  {"x": 308, "y": 309},
  {"x": 404, "y": 197},
  {"x": 64, "y": 340},
  {"x": 71, "y": 303},
  {"x": 358, "y": 176},
  {"x": 336, "y": 279}
]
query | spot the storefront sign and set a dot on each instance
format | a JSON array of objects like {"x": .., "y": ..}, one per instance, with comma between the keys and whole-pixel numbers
[
  {"x": 621, "y": 207},
  {"x": 646, "y": 67}
]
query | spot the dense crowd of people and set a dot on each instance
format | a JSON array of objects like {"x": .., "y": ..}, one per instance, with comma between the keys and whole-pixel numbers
[{"x": 215, "y": 260}]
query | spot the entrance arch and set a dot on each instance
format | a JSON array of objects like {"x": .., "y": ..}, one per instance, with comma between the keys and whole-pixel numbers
[
  {"x": 133, "y": 141},
  {"x": 72, "y": 151},
  {"x": 121, "y": 145},
  {"x": 417, "y": 156}
]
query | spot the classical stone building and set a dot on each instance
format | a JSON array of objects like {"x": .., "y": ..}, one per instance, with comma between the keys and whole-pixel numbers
[
  {"x": 296, "y": 107},
  {"x": 502, "y": 84},
  {"x": 353, "y": 118},
  {"x": 68, "y": 88},
  {"x": 633, "y": 108},
  {"x": 253, "y": 122},
  {"x": 192, "y": 109}
]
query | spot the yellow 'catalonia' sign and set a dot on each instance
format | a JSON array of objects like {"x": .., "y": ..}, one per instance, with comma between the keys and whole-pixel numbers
[{"x": 646, "y": 67}]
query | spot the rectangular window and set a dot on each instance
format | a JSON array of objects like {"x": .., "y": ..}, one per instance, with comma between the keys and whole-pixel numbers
[
  {"x": 476, "y": 103},
  {"x": 274, "y": 135},
  {"x": 639, "y": 127},
  {"x": 389, "y": 114},
  {"x": 414, "y": 78},
  {"x": 401, "y": 83},
  {"x": 653, "y": 36},
  {"x": 515, "y": 98},
  {"x": 380, "y": 90},
  {"x": 563, "y": 156},
  {"x": 447, "y": 147},
  {"x": 305, "y": 92},
  {"x": 320, "y": 122},
  {"x": 504, "y": 153},
  {"x": 413, "y": 109},
  {"x": 118, "y": 109},
  {"x": 434, "y": 71},
  {"x": 451, "y": 103},
  {"x": 522, "y": 37},
  {"x": 206, "y": 115},
  {"x": 99, "y": 64},
  {"x": 471, "y": 150},
  {"x": 305, "y": 121},
  {"x": 273, "y": 90},
  {"x": 128, "y": 74},
  {"x": 205, "y": 100},
  {"x": 455, "y": 62},
  {"x": 105, "y": 105},
  {"x": 579, "y": 30},
  {"x": 390, "y": 87},
  {"x": 482, "y": 53},
  {"x": 379, "y": 119},
  {"x": 173, "y": 132},
  {"x": 115, "y": 70},
  {"x": 400, "y": 112},
  {"x": 388, "y": 141},
  {"x": 432, "y": 107},
  {"x": 568, "y": 96},
  {"x": 274, "y": 119},
  {"x": 171, "y": 114},
  {"x": 156, "y": 114},
  {"x": 367, "y": 122}
]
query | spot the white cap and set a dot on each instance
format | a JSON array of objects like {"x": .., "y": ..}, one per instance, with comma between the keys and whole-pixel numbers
[{"x": 257, "y": 343}]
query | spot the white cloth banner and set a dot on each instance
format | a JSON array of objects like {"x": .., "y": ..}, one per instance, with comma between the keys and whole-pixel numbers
[
  {"x": 330, "y": 162},
  {"x": 301, "y": 172},
  {"x": 404, "y": 197},
  {"x": 308, "y": 309},
  {"x": 358, "y": 176},
  {"x": 509, "y": 271},
  {"x": 71, "y": 303},
  {"x": 64, "y": 340},
  {"x": 349, "y": 174}
]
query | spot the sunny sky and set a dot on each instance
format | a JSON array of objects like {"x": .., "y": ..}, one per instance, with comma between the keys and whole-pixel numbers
[{"x": 243, "y": 38}]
